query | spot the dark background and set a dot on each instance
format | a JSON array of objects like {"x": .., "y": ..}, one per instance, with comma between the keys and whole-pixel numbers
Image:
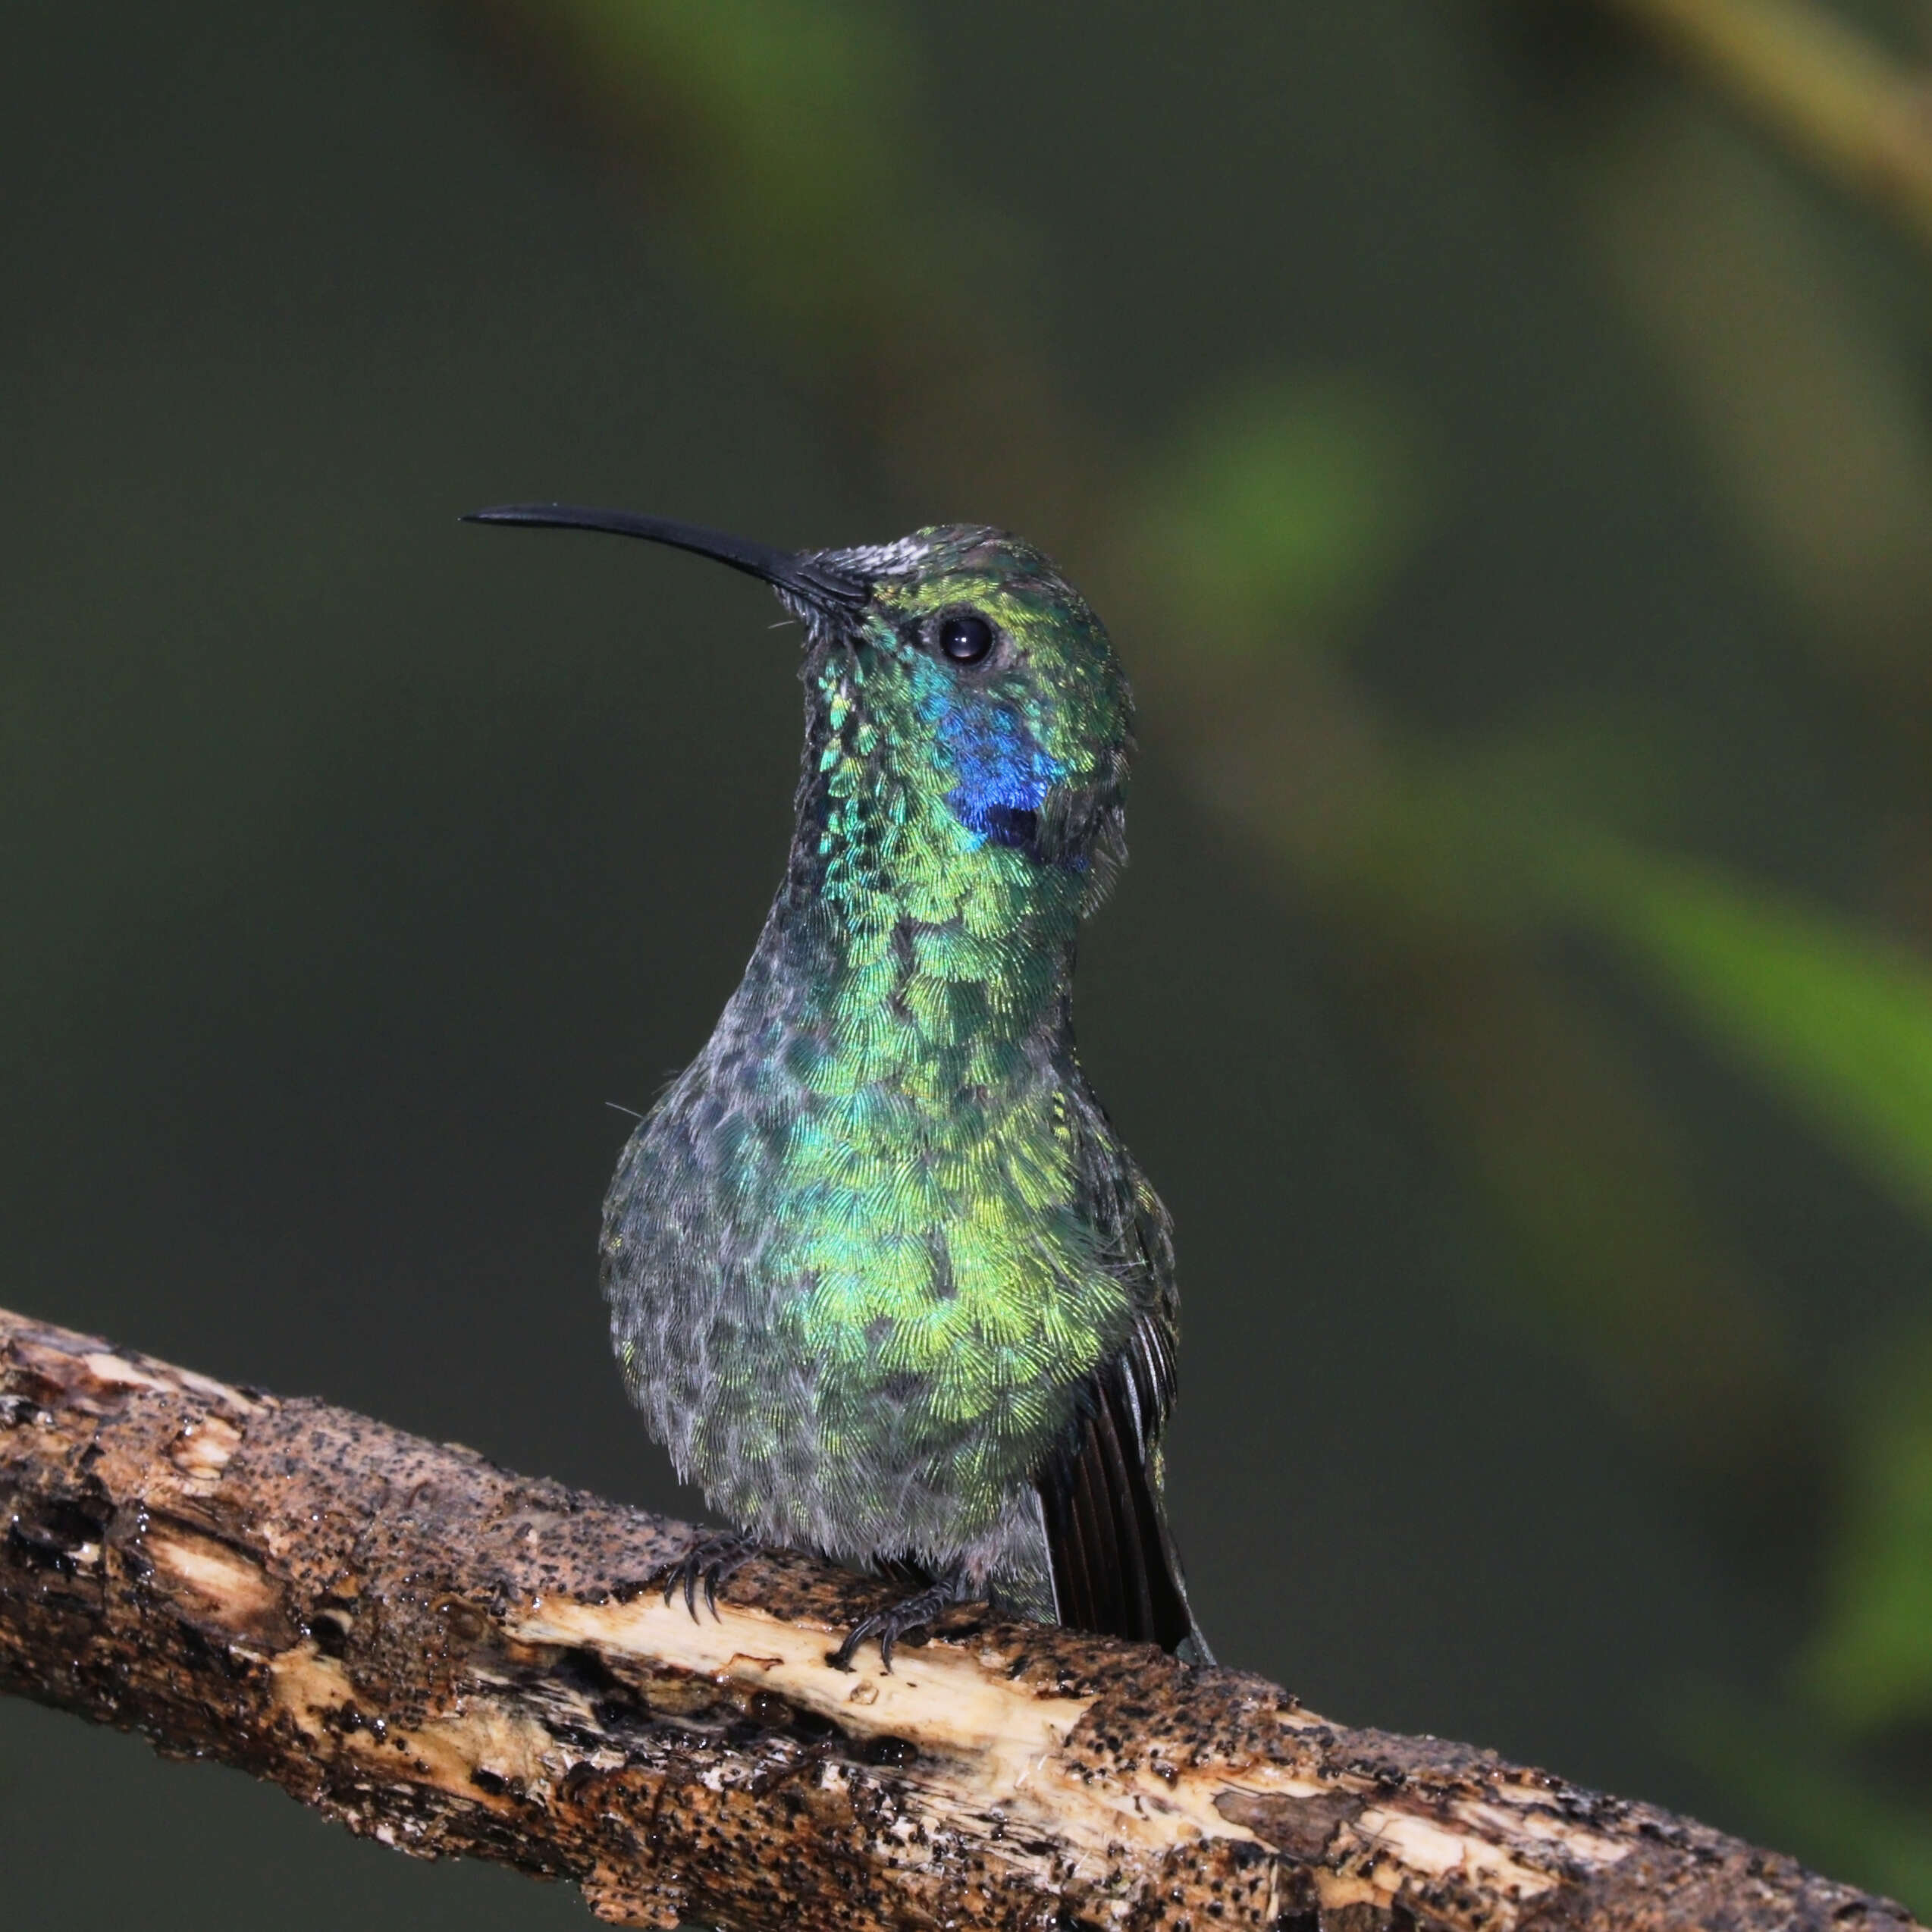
[{"x": 354, "y": 859}]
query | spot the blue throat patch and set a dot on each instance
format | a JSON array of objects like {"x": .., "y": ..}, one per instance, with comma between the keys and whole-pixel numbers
[{"x": 1004, "y": 776}]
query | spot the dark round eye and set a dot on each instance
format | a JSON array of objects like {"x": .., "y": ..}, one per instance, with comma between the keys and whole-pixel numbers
[{"x": 964, "y": 637}]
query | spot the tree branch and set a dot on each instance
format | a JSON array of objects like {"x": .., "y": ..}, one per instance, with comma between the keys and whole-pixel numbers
[
  {"x": 457, "y": 1661},
  {"x": 1817, "y": 83}
]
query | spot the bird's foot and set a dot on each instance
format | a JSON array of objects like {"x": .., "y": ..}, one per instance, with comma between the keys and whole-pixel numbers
[
  {"x": 713, "y": 1559},
  {"x": 898, "y": 1619}
]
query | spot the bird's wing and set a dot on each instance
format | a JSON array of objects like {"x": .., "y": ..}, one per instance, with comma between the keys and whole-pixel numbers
[{"x": 1114, "y": 1569}]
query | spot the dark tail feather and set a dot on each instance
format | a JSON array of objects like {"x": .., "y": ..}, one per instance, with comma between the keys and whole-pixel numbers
[{"x": 1115, "y": 1569}]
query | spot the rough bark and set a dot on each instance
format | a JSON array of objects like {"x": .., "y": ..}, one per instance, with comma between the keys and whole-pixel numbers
[{"x": 454, "y": 1660}]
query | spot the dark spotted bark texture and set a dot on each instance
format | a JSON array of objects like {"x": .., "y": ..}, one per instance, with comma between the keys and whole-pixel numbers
[{"x": 457, "y": 1661}]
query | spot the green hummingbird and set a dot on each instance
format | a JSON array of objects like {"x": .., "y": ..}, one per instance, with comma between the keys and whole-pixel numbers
[{"x": 883, "y": 1277}]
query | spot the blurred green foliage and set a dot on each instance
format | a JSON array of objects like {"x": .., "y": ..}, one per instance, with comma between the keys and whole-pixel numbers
[
  {"x": 1868, "y": 1668},
  {"x": 1468, "y": 886},
  {"x": 1838, "y": 1018},
  {"x": 1283, "y": 508},
  {"x": 740, "y": 95}
]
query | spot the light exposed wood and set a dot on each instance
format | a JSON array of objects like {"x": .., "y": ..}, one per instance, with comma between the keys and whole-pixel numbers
[{"x": 454, "y": 1660}]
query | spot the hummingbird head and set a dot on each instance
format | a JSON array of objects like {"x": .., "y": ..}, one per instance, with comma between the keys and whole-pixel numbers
[
  {"x": 961, "y": 694},
  {"x": 974, "y": 671}
]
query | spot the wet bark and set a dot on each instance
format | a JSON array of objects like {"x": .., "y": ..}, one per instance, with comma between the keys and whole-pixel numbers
[{"x": 457, "y": 1661}]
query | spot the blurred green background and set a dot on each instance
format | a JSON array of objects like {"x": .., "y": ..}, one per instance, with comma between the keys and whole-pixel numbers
[{"x": 1507, "y": 472}]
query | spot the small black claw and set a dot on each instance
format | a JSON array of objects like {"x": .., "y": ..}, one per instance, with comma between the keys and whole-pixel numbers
[
  {"x": 713, "y": 1559},
  {"x": 896, "y": 1620}
]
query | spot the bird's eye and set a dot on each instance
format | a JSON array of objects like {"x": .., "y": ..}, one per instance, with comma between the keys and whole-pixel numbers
[{"x": 965, "y": 637}]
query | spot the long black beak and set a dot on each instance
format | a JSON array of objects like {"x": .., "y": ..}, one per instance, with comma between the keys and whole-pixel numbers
[{"x": 824, "y": 585}]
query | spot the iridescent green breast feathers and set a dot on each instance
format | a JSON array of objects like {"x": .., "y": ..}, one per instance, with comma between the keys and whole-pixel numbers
[{"x": 882, "y": 1277}]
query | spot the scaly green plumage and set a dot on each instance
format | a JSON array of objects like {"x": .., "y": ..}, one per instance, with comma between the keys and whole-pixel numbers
[
  {"x": 934, "y": 1152},
  {"x": 881, "y": 1275}
]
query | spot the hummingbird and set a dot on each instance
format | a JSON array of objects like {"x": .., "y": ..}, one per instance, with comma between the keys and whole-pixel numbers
[{"x": 882, "y": 1276}]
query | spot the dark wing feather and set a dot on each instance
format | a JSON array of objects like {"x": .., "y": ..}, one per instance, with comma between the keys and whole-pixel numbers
[{"x": 1114, "y": 1567}]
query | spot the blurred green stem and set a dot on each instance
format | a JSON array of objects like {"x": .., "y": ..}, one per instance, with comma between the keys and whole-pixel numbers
[
  {"x": 1821, "y": 87},
  {"x": 1804, "y": 393}
]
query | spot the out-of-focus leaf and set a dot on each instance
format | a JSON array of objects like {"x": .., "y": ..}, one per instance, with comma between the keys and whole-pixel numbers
[
  {"x": 1800, "y": 1795},
  {"x": 1870, "y": 1668},
  {"x": 1456, "y": 836},
  {"x": 1286, "y": 506},
  {"x": 801, "y": 169},
  {"x": 1841, "y": 1020}
]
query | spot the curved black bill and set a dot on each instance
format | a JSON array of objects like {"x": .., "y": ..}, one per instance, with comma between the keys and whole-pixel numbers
[{"x": 822, "y": 584}]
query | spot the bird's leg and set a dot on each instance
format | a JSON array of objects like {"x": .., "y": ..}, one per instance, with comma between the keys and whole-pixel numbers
[
  {"x": 714, "y": 1558},
  {"x": 910, "y": 1612}
]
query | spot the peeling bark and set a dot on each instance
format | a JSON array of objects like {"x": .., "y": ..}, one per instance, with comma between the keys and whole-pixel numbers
[{"x": 456, "y": 1660}]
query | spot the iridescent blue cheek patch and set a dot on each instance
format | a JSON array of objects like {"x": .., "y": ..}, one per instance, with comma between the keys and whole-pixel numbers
[{"x": 1004, "y": 776}]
